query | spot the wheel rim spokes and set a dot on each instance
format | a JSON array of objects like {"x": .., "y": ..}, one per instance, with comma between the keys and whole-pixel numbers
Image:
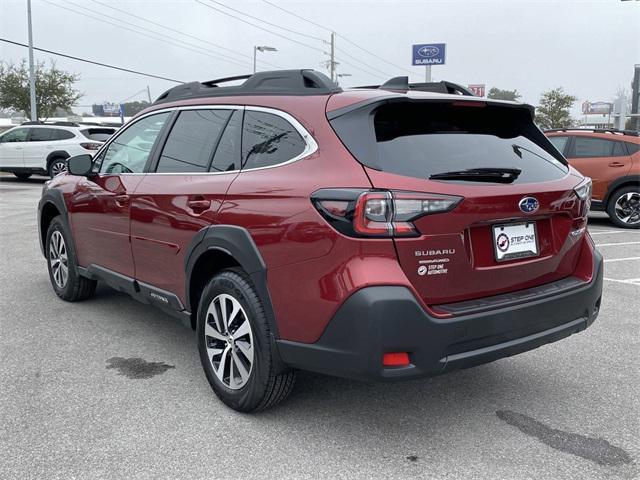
[
  {"x": 58, "y": 168},
  {"x": 58, "y": 259},
  {"x": 229, "y": 341},
  {"x": 627, "y": 208}
]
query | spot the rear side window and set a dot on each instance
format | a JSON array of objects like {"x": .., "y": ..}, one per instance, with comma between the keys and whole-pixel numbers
[
  {"x": 559, "y": 142},
  {"x": 633, "y": 147},
  {"x": 41, "y": 134},
  {"x": 420, "y": 139},
  {"x": 227, "y": 156},
  {"x": 268, "y": 140},
  {"x": 585, "y": 147},
  {"x": 98, "y": 134},
  {"x": 59, "y": 134},
  {"x": 619, "y": 150},
  {"x": 192, "y": 141}
]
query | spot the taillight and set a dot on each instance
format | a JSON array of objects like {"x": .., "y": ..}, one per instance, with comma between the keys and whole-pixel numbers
[
  {"x": 378, "y": 213},
  {"x": 91, "y": 146},
  {"x": 583, "y": 192}
]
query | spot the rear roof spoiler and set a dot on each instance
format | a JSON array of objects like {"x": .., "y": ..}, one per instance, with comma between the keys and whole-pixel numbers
[{"x": 402, "y": 84}]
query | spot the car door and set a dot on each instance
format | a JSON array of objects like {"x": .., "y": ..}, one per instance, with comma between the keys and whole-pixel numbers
[
  {"x": 99, "y": 208},
  {"x": 12, "y": 145},
  {"x": 602, "y": 160},
  {"x": 39, "y": 144},
  {"x": 182, "y": 192}
]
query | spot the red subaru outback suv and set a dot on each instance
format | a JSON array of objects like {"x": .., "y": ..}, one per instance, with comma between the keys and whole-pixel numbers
[{"x": 377, "y": 233}]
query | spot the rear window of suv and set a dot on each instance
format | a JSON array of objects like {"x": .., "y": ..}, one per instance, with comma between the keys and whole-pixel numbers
[
  {"x": 420, "y": 139},
  {"x": 98, "y": 134}
]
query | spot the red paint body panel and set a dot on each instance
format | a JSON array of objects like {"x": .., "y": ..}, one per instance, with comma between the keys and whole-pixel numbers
[
  {"x": 163, "y": 224},
  {"x": 311, "y": 267},
  {"x": 99, "y": 210}
]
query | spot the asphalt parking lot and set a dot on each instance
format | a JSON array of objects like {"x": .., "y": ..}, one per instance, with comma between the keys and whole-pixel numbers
[{"x": 110, "y": 388}]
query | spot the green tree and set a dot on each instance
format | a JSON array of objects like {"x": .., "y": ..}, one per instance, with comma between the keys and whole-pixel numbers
[
  {"x": 554, "y": 110},
  {"x": 499, "y": 94},
  {"x": 54, "y": 88}
]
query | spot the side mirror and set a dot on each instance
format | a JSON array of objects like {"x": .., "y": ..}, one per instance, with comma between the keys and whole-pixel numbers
[{"x": 80, "y": 165}]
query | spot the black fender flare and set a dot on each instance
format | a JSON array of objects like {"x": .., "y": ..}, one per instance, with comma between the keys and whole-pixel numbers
[
  {"x": 56, "y": 154},
  {"x": 53, "y": 196},
  {"x": 619, "y": 182},
  {"x": 236, "y": 242}
]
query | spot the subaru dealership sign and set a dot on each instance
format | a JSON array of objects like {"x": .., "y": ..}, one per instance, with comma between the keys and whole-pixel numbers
[{"x": 429, "y": 54}]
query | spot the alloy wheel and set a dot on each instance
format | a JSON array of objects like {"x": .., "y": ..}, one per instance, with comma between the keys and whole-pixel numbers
[
  {"x": 229, "y": 341},
  {"x": 627, "y": 208},
  {"x": 57, "y": 168},
  {"x": 58, "y": 259}
]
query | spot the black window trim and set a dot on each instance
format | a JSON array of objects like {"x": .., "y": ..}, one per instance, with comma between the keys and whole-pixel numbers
[{"x": 311, "y": 146}]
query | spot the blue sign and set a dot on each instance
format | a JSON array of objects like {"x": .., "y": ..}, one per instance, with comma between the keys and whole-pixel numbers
[{"x": 429, "y": 54}]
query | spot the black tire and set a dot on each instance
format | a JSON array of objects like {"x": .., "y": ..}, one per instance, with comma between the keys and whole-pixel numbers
[
  {"x": 58, "y": 162},
  {"x": 632, "y": 206},
  {"x": 76, "y": 287},
  {"x": 264, "y": 387},
  {"x": 22, "y": 176}
]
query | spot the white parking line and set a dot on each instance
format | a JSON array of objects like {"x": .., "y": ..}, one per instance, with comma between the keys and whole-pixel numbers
[
  {"x": 626, "y": 259},
  {"x": 604, "y": 232},
  {"x": 633, "y": 281},
  {"x": 612, "y": 244}
]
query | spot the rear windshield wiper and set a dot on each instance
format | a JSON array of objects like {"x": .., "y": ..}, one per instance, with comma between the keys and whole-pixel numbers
[{"x": 498, "y": 175}]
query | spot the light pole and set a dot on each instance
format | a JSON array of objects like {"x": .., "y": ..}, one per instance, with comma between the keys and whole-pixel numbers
[
  {"x": 32, "y": 77},
  {"x": 340, "y": 75},
  {"x": 262, "y": 48}
]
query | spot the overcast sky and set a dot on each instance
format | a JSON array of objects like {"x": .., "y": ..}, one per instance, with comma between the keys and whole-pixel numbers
[{"x": 587, "y": 47}]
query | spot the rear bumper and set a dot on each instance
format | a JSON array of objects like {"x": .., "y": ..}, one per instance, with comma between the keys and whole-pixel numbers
[{"x": 381, "y": 319}]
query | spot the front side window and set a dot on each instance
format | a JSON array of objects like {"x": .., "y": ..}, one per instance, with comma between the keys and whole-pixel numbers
[
  {"x": 585, "y": 147},
  {"x": 268, "y": 139},
  {"x": 193, "y": 140},
  {"x": 129, "y": 151},
  {"x": 17, "y": 135}
]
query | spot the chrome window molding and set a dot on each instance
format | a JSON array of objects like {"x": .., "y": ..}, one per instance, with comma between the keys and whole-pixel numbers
[{"x": 311, "y": 146}]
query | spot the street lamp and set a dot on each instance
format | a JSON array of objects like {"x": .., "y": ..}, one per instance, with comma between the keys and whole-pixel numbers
[{"x": 262, "y": 48}]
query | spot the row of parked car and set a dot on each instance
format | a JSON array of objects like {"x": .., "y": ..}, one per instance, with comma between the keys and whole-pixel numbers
[
  {"x": 609, "y": 157},
  {"x": 43, "y": 148}
]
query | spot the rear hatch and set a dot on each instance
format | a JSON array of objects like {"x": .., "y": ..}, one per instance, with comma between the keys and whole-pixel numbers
[{"x": 513, "y": 220}]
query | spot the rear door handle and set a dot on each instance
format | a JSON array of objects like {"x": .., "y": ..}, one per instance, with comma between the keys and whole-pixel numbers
[
  {"x": 616, "y": 164},
  {"x": 199, "y": 204},
  {"x": 121, "y": 200}
]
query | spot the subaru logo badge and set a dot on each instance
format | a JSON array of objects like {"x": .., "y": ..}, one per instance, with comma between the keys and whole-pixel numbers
[
  {"x": 529, "y": 204},
  {"x": 428, "y": 51}
]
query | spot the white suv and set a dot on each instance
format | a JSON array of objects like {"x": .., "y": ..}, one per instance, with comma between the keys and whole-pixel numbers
[{"x": 43, "y": 148}]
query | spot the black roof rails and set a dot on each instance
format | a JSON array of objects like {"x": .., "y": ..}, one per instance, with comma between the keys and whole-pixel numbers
[
  {"x": 59, "y": 124},
  {"x": 278, "y": 82},
  {"x": 633, "y": 133},
  {"x": 402, "y": 83}
]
